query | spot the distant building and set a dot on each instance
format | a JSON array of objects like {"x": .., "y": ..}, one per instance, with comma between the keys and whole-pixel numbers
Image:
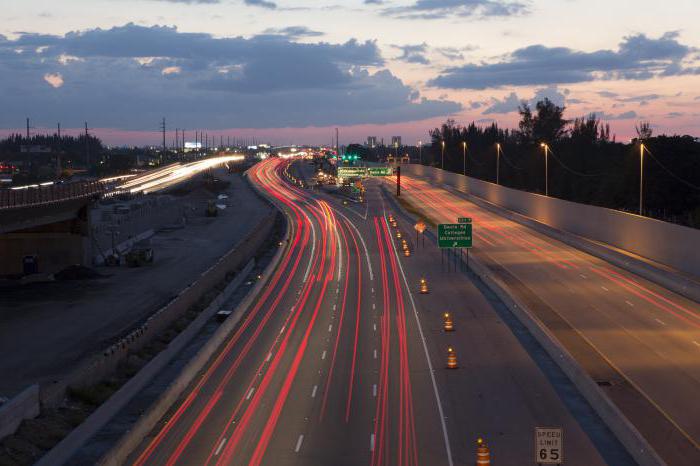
[
  {"x": 396, "y": 141},
  {"x": 371, "y": 142}
]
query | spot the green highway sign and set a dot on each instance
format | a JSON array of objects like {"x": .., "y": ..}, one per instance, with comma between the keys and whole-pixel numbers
[
  {"x": 455, "y": 235},
  {"x": 464, "y": 220},
  {"x": 379, "y": 171},
  {"x": 352, "y": 172}
]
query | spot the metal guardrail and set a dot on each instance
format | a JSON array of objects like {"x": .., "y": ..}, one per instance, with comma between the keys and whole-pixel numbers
[{"x": 13, "y": 198}]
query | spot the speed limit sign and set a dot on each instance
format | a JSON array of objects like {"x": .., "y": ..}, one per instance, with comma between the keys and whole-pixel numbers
[{"x": 549, "y": 445}]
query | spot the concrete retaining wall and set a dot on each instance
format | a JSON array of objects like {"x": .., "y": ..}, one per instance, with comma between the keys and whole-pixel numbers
[
  {"x": 24, "y": 405},
  {"x": 666, "y": 243}
]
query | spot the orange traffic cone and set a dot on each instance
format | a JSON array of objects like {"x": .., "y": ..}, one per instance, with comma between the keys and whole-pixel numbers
[
  {"x": 451, "y": 358},
  {"x": 483, "y": 454},
  {"x": 449, "y": 324}
]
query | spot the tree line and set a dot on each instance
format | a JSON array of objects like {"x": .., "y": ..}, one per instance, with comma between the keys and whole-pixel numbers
[{"x": 585, "y": 162}]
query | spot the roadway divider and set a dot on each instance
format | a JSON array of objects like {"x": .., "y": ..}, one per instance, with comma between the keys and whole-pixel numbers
[
  {"x": 622, "y": 428},
  {"x": 24, "y": 405}
]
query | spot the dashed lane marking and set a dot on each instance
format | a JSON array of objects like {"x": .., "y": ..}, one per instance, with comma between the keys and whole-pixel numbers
[{"x": 299, "y": 442}]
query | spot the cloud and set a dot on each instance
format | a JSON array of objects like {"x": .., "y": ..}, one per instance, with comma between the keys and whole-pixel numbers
[
  {"x": 511, "y": 102},
  {"x": 196, "y": 2},
  {"x": 436, "y": 9},
  {"x": 413, "y": 53},
  {"x": 294, "y": 32},
  {"x": 196, "y": 80},
  {"x": 637, "y": 57},
  {"x": 621, "y": 116},
  {"x": 54, "y": 80},
  {"x": 261, "y": 3}
]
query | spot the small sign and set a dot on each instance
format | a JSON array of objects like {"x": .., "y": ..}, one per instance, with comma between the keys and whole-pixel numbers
[
  {"x": 454, "y": 235},
  {"x": 464, "y": 220},
  {"x": 549, "y": 445},
  {"x": 419, "y": 226}
]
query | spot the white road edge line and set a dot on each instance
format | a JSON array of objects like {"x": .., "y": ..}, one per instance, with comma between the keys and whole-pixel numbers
[
  {"x": 364, "y": 245},
  {"x": 299, "y": 442},
  {"x": 427, "y": 356},
  {"x": 221, "y": 445}
]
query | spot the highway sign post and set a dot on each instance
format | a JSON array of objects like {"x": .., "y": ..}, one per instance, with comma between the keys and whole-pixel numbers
[{"x": 549, "y": 445}]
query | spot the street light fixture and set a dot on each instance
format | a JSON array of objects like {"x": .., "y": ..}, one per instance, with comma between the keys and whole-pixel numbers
[
  {"x": 546, "y": 168},
  {"x": 498, "y": 161},
  {"x": 420, "y": 152},
  {"x": 464, "y": 155},
  {"x": 442, "y": 156}
]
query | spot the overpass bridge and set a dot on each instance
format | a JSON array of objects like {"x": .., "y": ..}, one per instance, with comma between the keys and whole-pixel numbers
[{"x": 47, "y": 223}]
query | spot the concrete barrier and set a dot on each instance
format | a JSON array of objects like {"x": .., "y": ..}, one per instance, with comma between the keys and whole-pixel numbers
[
  {"x": 24, "y": 405},
  {"x": 669, "y": 244},
  {"x": 133, "y": 438},
  {"x": 624, "y": 430}
]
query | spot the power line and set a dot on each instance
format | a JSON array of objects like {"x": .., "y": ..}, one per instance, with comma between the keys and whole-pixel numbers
[
  {"x": 687, "y": 183},
  {"x": 575, "y": 172}
]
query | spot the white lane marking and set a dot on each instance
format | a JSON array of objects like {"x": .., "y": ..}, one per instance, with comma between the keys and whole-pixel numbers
[
  {"x": 372, "y": 290},
  {"x": 323, "y": 355},
  {"x": 313, "y": 392},
  {"x": 330, "y": 327},
  {"x": 375, "y": 327},
  {"x": 269, "y": 356},
  {"x": 250, "y": 393},
  {"x": 604, "y": 289},
  {"x": 375, "y": 354},
  {"x": 582, "y": 275},
  {"x": 298, "y": 447},
  {"x": 696, "y": 343},
  {"x": 313, "y": 246},
  {"x": 337, "y": 291},
  {"x": 371, "y": 442},
  {"x": 374, "y": 390},
  {"x": 441, "y": 413},
  {"x": 221, "y": 445},
  {"x": 660, "y": 321},
  {"x": 334, "y": 306},
  {"x": 374, "y": 306},
  {"x": 629, "y": 304},
  {"x": 340, "y": 251},
  {"x": 364, "y": 245}
]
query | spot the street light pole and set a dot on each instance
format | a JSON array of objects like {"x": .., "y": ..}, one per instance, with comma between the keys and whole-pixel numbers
[
  {"x": 546, "y": 168},
  {"x": 464, "y": 155},
  {"x": 442, "y": 156},
  {"x": 420, "y": 152},
  {"x": 498, "y": 161},
  {"x": 641, "y": 179}
]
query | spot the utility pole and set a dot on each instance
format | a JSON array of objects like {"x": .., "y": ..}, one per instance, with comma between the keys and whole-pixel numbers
[
  {"x": 337, "y": 143},
  {"x": 87, "y": 147},
  {"x": 162, "y": 128},
  {"x": 641, "y": 179}
]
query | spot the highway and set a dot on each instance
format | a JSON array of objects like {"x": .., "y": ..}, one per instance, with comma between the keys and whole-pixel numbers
[
  {"x": 640, "y": 341},
  {"x": 340, "y": 361}
]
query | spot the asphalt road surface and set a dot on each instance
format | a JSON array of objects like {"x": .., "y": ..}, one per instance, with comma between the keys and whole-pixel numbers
[
  {"x": 341, "y": 362},
  {"x": 639, "y": 340}
]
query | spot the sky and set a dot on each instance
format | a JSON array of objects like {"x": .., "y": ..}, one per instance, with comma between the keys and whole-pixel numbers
[{"x": 290, "y": 71}]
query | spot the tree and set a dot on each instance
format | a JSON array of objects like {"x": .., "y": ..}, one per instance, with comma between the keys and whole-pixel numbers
[
  {"x": 549, "y": 125},
  {"x": 526, "y": 125},
  {"x": 644, "y": 130}
]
